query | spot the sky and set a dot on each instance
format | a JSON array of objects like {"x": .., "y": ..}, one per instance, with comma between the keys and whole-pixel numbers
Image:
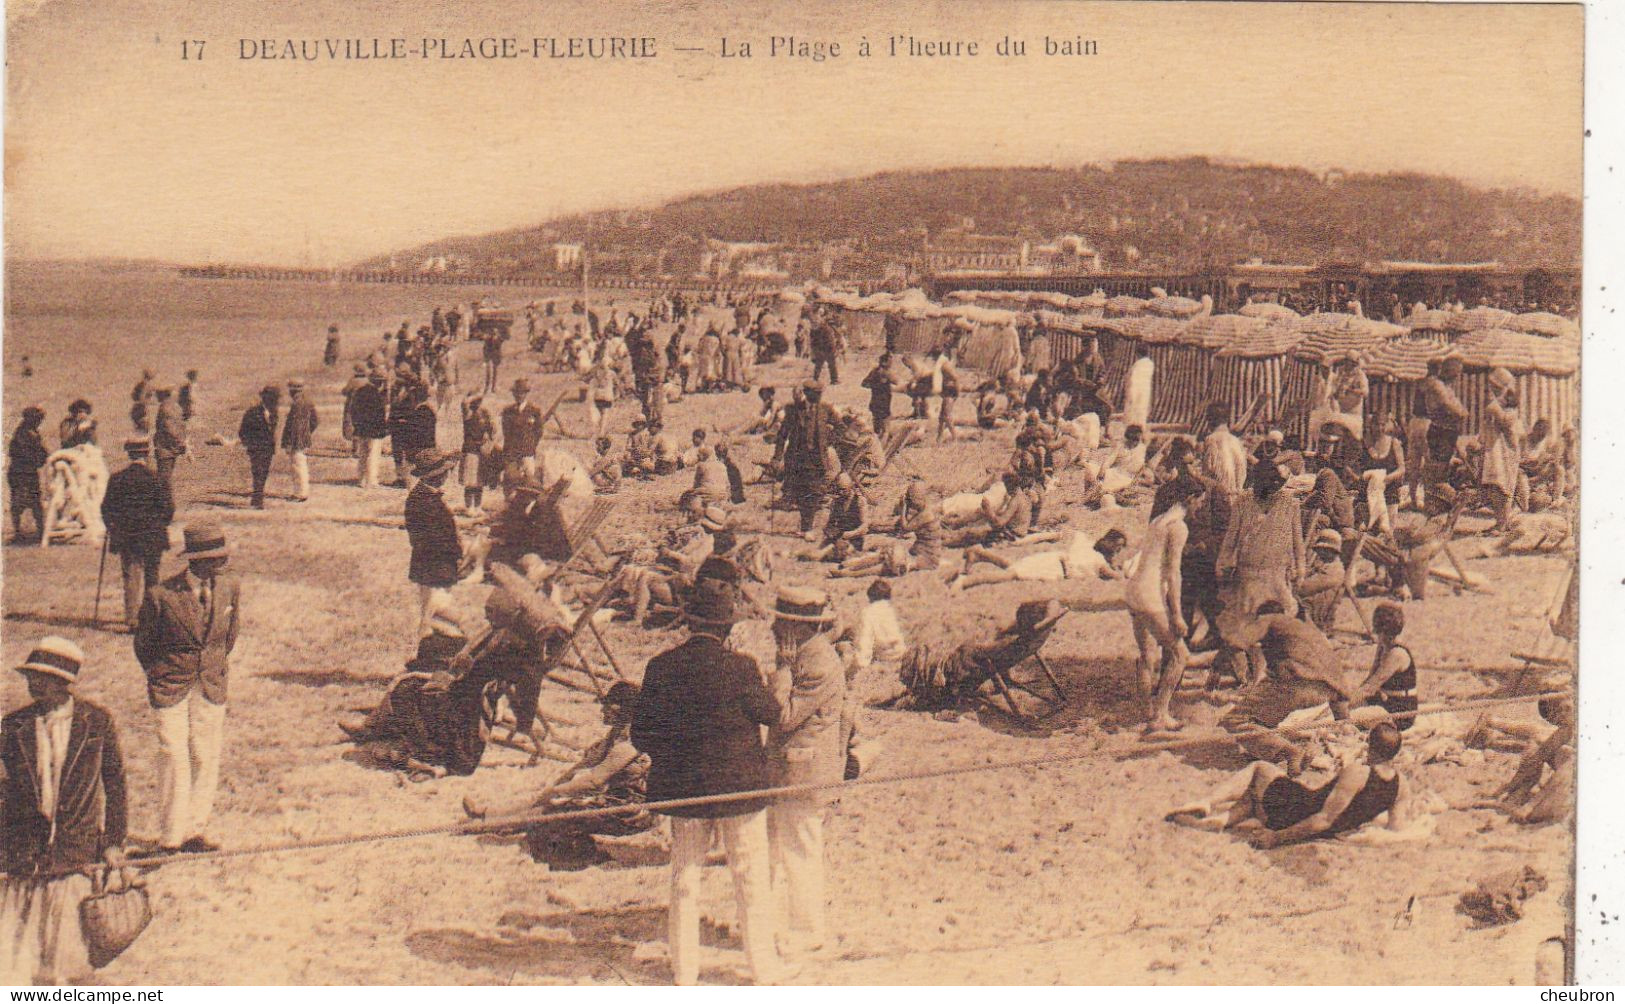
[{"x": 116, "y": 146}]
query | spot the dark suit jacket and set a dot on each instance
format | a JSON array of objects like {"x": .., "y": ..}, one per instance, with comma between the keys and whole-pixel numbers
[
  {"x": 698, "y": 720},
  {"x": 300, "y": 427},
  {"x": 90, "y": 809},
  {"x": 436, "y": 548},
  {"x": 369, "y": 414},
  {"x": 137, "y": 509},
  {"x": 256, "y": 431},
  {"x": 179, "y": 647}
]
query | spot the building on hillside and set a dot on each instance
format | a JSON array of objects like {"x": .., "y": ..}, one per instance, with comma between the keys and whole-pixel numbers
[{"x": 566, "y": 257}]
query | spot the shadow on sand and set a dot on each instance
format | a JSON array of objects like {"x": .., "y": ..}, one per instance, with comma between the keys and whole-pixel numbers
[{"x": 598, "y": 945}]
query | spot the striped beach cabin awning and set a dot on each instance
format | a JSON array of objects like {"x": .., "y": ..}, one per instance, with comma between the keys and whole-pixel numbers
[{"x": 1254, "y": 365}]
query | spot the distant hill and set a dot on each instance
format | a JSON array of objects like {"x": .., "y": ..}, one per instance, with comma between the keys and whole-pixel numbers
[{"x": 1149, "y": 214}]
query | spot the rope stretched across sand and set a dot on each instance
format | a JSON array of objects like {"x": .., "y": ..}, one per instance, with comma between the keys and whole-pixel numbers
[{"x": 533, "y": 819}]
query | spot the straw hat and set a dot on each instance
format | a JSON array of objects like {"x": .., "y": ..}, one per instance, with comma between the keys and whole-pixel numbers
[
  {"x": 204, "y": 539},
  {"x": 1329, "y": 539},
  {"x": 802, "y": 605},
  {"x": 56, "y": 656},
  {"x": 432, "y": 462}
]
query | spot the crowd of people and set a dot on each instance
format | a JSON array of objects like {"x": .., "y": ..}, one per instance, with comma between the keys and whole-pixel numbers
[{"x": 1253, "y": 541}]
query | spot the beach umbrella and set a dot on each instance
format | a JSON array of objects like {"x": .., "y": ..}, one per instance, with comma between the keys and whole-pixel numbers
[
  {"x": 1428, "y": 320},
  {"x": 1125, "y": 306}
]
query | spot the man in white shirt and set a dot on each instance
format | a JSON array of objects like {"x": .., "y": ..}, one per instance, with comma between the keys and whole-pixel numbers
[
  {"x": 877, "y": 636},
  {"x": 1224, "y": 459}
]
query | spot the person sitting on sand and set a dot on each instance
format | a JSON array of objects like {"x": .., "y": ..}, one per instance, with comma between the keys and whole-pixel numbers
[
  {"x": 1006, "y": 520},
  {"x": 1274, "y": 809},
  {"x": 605, "y": 471},
  {"x": 1081, "y": 560},
  {"x": 611, "y": 773},
  {"x": 1532, "y": 795},
  {"x": 1302, "y": 671},
  {"x": 916, "y": 513},
  {"x": 436, "y": 718},
  {"x": 1119, "y": 470}
]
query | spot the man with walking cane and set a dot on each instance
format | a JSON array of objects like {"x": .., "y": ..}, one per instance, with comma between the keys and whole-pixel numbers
[{"x": 137, "y": 509}]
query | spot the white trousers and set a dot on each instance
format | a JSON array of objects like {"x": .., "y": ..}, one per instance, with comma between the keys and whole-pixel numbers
[
  {"x": 301, "y": 473},
  {"x": 744, "y": 839},
  {"x": 367, "y": 460},
  {"x": 430, "y": 600},
  {"x": 795, "y": 831},
  {"x": 189, "y": 738}
]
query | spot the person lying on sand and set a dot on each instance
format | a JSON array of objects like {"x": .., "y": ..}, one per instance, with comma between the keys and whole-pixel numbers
[
  {"x": 1080, "y": 560},
  {"x": 1274, "y": 809}
]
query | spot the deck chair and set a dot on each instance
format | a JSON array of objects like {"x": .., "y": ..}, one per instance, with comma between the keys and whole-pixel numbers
[{"x": 937, "y": 679}]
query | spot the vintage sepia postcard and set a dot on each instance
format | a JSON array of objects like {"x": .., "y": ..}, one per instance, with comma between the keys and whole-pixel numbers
[{"x": 921, "y": 492}]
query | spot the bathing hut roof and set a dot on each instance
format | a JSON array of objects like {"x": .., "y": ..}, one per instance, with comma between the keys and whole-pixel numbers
[
  {"x": 1219, "y": 330},
  {"x": 1404, "y": 359},
  {"x": 1518, "y": 352},
  {"x": 1273, "y": 339},
  {"x": 1428, "y": 320},
  {"x": 1174, "y": 306},
  {"x": 1267, "y": 310},
  {"x": 1478, "y": 318},
  {"x": 1543, "y": 323},
  {"x": 1153, "y": 330},
  {"x": 1357, "y": 337},
  {"x": 1124, "y": 305}
]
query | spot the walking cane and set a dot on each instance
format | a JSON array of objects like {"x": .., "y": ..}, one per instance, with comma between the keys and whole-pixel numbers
[{"x": 101, "y": 567}]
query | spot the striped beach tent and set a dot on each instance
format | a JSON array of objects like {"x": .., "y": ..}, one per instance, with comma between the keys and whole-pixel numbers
[
  {"x": 1330, "y": 339},
  {"x": 1189, "y": 372},
  {"x": 1545, "y": 371},
  {"x": 1254, "y": 365},
  {"x": 1169, "y": 385},
  {"x": 1395, "y": 370}
]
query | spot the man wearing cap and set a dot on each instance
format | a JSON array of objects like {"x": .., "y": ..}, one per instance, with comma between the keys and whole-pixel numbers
[
  {"x": 137, "y": 509},
  {"x": 1322, "y": 585},
  {"x": 183, "y": 640},
  {"x": 257, "y": 432},
  {"x": 521, "y": 430},
  {"x": 169, "y": 432},
  {"x": 805, "y": 449},
  {"x": 699, "y": 721},
  {"x": 297, "y": 433},
  {"x": 437, "y": 550},
  {"x": 808, "y": 743},
  {"x": 62, "y": 809}
]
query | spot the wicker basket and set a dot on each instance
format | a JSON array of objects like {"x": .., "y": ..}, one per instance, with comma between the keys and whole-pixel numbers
[{"x": 113, "y": 918}]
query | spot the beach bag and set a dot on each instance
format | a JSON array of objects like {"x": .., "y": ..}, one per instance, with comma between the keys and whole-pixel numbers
[{"x": 112, "y": 918}]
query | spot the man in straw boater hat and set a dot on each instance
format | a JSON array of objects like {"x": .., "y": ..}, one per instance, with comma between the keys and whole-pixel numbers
[
  {"x": 63, "y": 799},
  {"x": 137, "y": 509},
  {"x": 809, "y": 744},
  {"x": 183, "y": 640},
  {"x": 298, "y": 431},
  {"x": 437, "y": 550},
  {"x": 699, "y": 720}
]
